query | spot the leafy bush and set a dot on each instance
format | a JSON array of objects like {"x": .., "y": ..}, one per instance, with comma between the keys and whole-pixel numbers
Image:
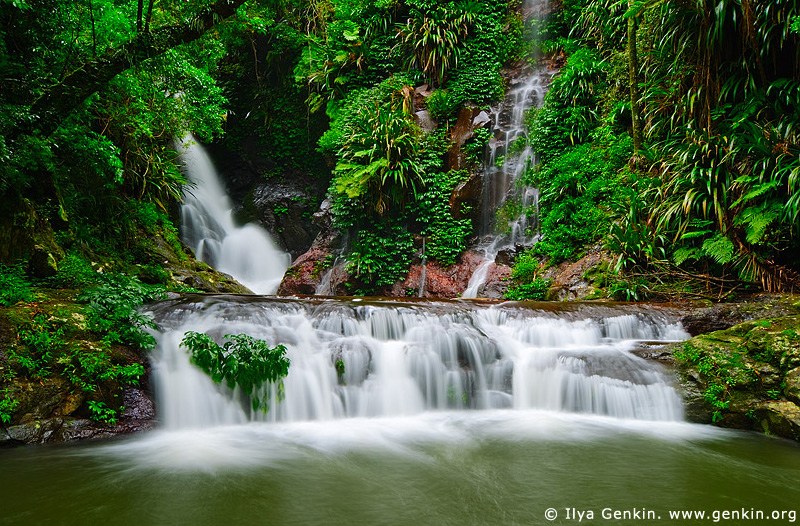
[
  {"x": 433, "y": 37},
  {"x": 379, "y": 258},
  {"x": 243, "y": 361},
  {"x": 571, "y": 110},
  {"x": 113, "y": 310},
  {"x": 441, "y": 105},
  {"x": 535, "y": 290},
  {"x": 74, "y": 272},
  {"x": 50, "y": 345},
  {"x": 14, "y": 286},
  {"x": 579, "y": 191},
  {"x": 446, "y": 236},
  {"x": 7, "y": 406},
  {"x": 526, "y": 268}
]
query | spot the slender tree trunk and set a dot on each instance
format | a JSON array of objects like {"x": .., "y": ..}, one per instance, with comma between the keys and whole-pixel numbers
[
  {"x": 139, "y": 10},
  {"x": 633, "y": 80},
  {"x": 149, "y": 16}
]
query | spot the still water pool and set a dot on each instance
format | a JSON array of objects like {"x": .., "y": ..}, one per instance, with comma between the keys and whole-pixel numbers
[{"x": 460, "y": 468}]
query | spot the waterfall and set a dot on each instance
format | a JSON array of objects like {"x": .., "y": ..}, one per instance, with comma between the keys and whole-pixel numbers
[
  {"x": 406, "y": 359},
  {"x": 506, "y": 161},
  {"x": 246, "y": 252}
]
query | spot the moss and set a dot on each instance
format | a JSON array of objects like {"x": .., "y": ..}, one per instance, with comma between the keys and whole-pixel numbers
[{"x": 739, "y": 370}]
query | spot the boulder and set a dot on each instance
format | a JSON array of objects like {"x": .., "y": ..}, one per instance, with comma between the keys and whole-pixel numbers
[{"x": 744, "y": 377}]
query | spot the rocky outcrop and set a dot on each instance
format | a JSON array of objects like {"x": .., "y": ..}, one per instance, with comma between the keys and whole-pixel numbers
[
  {"x": 451, "y": 281},
  {"x": 34, "y": 428},
  {"x": 469, "y": 120},
  {"x": 725, "y": 315},
  {"x": 746, "y": 377},
  {"x": 573, "y": 280},
  {"x": 60, "y": 381},
  {"x": 319, "y": 272}
]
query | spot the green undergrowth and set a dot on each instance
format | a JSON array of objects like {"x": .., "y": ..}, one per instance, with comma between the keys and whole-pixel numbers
[{"x": 89, "y": 338}]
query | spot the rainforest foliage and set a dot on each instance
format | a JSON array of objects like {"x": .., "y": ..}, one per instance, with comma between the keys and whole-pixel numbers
[{"x": 668, "y": 135}]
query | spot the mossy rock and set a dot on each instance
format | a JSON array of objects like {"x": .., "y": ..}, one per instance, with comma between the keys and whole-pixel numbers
[{"x": 747, "y": 376}]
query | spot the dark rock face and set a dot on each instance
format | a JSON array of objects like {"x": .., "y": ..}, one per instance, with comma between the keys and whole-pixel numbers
[
  {"x": 36, "y": 428},
  {"x": 467, "y": 195},
  {"x": 725, "y": 315},
  {"x": 469, "y": 119},
  {"x": 283, "y": 205}
]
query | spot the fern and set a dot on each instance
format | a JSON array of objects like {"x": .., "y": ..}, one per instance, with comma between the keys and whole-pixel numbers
[
  {"x": 756, "y": 219},
  {"x": 683, "y": 254},
  {"x": 719, "y": 248}
]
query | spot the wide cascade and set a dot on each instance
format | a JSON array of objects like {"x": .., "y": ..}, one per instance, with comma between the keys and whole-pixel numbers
[
  {"x": 245, "y": 252},
  {"x": 370, "y": 359}
]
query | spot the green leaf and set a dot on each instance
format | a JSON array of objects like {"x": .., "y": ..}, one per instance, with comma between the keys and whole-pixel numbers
[{"x": 719, "y": 248}]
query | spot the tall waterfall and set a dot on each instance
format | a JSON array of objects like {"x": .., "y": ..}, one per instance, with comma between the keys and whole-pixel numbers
[
  {"x": 246, "y": 252},
  {"x": 402, "y": 359},
  {"x": 506, "y": 162}
]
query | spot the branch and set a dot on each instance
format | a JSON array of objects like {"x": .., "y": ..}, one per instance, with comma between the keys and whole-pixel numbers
[{"x": 57, "y": 102}]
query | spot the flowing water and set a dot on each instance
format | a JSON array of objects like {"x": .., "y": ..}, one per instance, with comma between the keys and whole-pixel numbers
[
  {"x": 506, "y": 162},
  {"x": 408, "y": 358},
  {"x": 445, "y": 413},
  {"x": 246, "y": 252}
]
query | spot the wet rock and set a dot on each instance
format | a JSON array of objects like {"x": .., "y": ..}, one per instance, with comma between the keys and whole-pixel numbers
[
  {"x": 425, "y": 121},
  {"x": 199, "y": 275},
  {"x": 305, "y": 274},
  {"x": 138, "y": 405},
  {"x": 481, "y": 119},
  {"x": 779, "y": 418},
  {"x": 506, "y": 257},
  {"x": 745, "y": 370},
  {"x": 467, "y": 196},
  {"x": 42, "y": 399},
  {"x": 725, "y": 315},
  {"x": 33, "y": 432},
  {"x": 283, "y": 207},
  {"x": 440, "y": 281},
  {"x": 792, "y": 389},
  {"x": 496, "y": 282},
  {"x": 283, "y": 204},
  {"x": 570, "y": 280},
  {"x": 466, "y": 124}
]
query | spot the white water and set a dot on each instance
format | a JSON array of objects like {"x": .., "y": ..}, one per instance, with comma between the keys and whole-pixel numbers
[
  {"x": 246, "y": 252},
  {"x": 502, "y": 183},
  {"x": 403, "y": 360}
]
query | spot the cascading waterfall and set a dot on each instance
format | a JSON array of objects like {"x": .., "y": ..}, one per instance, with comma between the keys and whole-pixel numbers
[
  {"x": 500, "y": 183},
  {"x": 246, "y": 252},
  {"x": 406, "y": 359}
]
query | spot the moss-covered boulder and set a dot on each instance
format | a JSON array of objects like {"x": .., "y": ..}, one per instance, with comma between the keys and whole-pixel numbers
[
  {"x": 747, "y": 376},
  {"x": 63, "y": 377}
]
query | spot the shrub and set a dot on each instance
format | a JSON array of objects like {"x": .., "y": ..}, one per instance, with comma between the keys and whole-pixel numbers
[
  {"x": 14, "y": 286},
  {"x": 243, "y": 361}
]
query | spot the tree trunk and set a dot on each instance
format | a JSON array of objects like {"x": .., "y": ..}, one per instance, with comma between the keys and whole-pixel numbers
[
  {"x": 149, "y": 16},
  {"x": 633, "y": 80}
]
